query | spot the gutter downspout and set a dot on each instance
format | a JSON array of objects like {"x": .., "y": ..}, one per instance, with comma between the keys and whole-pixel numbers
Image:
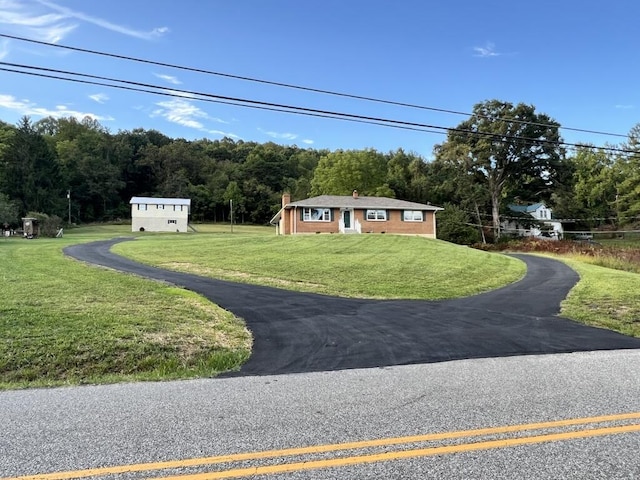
[
  {"x": 295, "y": 219},
  {"x": 434, "y": 224}
]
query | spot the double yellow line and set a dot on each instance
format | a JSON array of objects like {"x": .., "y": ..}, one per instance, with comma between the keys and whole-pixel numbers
[{"x": 591, "y": 423}]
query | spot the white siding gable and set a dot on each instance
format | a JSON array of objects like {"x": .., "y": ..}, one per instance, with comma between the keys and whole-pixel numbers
[{"x": 159, "y": 214}]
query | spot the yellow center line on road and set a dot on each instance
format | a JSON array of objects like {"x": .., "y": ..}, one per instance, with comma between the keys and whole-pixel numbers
[
  {"x": 402, "y": 454},
  {"x": 382, "y": 442}
]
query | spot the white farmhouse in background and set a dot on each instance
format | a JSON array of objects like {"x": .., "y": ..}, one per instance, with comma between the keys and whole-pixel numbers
[
  {"x": 544, "y": 226},
  {"x": 159, "y": 214}
]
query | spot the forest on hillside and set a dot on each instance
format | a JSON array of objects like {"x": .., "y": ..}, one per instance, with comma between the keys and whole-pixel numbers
[{"x": 502, "y": 154}]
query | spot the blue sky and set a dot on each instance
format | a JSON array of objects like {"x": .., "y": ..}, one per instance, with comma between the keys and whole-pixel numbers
[{"x": 576, "y": 61}]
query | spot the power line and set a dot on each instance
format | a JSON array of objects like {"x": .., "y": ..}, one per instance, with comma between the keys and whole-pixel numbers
[
  {"x": 189, "y": 96},
  {"x": 299, "y": 87},
  {"x": 193, "y": 95}
]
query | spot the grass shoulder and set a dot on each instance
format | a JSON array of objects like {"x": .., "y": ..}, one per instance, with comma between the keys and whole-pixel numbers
[{"x": 604, "y": 297}]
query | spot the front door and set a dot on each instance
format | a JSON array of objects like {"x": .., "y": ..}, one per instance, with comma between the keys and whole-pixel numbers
[{"x": 346, "y": 218}]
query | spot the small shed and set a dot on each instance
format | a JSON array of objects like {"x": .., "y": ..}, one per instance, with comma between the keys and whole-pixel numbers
[
  {"x": 30, "y": 227},
  {"x": 149, "y": 214}
]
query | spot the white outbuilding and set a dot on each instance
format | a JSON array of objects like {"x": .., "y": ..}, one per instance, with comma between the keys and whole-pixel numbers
[{"x": 150, "y": 214}]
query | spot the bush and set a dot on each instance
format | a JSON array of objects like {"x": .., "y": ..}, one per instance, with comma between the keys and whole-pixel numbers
[{"x": 453, "y": 226}]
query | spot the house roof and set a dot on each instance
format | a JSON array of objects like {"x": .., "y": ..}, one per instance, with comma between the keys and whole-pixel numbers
[
  {"x": 349, "y": 201},
  {"x": 526, "y": 208},
  {"x": 160, "y": 201}
]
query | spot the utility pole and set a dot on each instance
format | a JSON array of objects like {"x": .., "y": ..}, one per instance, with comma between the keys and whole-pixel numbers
[
  {"x": 231, "y": 205},
  {"x": 69, "y": 201}
]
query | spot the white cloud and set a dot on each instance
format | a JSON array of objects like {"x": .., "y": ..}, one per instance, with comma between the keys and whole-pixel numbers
[
  {"x": 625, "y": 107},
  {"x": 69, "y": 13},
  {"x": 178, "y": 93},
  {"x": 308, "y": 142},
  {"x": 26, "y": 107},
  {"x": 185, "y": 113},
  {"x": 168, "y": 78},
  {"x": 487, "y": 51},
  {"x": 4, "y": 48},
  {"x": 24, "y": 19},
  {"x": 99, "y": 97},
  {"x": 279, "y": 136}
]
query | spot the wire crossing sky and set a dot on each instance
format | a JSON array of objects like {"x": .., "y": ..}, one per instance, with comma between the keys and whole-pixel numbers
[{"x": 415, "y": 65}]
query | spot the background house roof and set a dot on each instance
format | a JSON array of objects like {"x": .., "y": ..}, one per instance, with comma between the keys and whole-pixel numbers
[
  {"x": 160, "y": 201},
  {"x": 348, "y": 201},
  {"x": 526, "y": 208}
]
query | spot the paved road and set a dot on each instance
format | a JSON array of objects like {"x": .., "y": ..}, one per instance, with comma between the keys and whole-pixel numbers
[
  {"x": 125, "y": 425},
  {"x": 302, "y": 332}
]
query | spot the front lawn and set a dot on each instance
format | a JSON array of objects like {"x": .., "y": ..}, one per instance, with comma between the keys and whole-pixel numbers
[
  {"x": 62, "y": 322},
  {"x": 372, "y": 266}
]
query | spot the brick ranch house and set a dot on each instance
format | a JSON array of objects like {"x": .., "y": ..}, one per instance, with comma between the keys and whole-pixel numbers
[{"x": 355, "y": 214}]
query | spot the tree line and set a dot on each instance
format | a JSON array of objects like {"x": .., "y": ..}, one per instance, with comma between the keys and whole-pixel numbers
[{"x": 503, "y": 153}]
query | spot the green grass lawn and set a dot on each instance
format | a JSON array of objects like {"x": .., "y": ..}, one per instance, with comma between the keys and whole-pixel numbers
[
  {"x": 372, "y": 266},
  {"x": 62, "y": 322},
  {"x": 604, "y": 297}
]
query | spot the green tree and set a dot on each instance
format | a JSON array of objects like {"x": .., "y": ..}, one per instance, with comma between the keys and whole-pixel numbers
[
  {"x": 8, "y": 211},
  {"x": 343, "y": 171},
  {"x": 594, "y": 186},
  {"x": 89, "y": 167},
  {"x": 31, "y": 174},
  {"x": 508, "y": 148},
  {"x": 453, "y": 225},
  {"x": 627, "y": 172},
  {"x": 233, "y": 193}
]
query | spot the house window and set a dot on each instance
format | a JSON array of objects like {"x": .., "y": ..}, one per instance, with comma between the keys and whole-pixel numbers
[
  {"x": 142, "y": 206},
  {"x": 160, "y": 207},
  {"x": 412, "y": 216},
  {"x": 376, "y": 215},
  {"x": 174, "y": 222},
  {"x": 316, "y": 214}
]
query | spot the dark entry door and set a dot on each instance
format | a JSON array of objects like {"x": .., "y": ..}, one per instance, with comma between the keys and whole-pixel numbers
[{"x": 346, "y": 218}]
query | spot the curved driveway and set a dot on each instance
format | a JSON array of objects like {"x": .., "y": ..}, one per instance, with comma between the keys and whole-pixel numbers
[{"x": 305, "y": 332}]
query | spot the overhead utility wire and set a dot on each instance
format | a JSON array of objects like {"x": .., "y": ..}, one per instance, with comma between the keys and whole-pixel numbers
[
  {"x": 176, "y": 93},
  {"x": 290, "y": 108},
  {"x": 297, "y": 87}
]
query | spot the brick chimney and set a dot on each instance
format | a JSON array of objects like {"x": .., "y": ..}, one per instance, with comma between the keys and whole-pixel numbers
[
  {"x": 355, "y": 194},
  {"x": 286, "y": 199}
]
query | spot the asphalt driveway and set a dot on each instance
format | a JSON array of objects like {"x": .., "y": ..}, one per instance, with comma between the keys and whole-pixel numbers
[{"x": 304, "y": 332}]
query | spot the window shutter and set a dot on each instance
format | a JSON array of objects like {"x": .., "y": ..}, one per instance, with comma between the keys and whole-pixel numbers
[
  {"x": 331, "y": 214},
  {"x": 402, "y": 215},
  {"x": 302, "y": 214},
  {"x": 424, "y": 216},
  {"x": 387, "y": 214}
]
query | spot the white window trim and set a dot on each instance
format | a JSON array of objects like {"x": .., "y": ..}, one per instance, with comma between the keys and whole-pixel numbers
[
  {"x": 412, "y": 212},
  {"x": 306, "y": 214},
  {"x": 375, "y": 212}
]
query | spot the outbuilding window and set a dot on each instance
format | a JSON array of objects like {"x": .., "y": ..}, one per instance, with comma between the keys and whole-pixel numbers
[
  {"x": 142, "y": 206},
  {"x": 412, "y": 216},
  {"x": 175, "y": 222}
]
